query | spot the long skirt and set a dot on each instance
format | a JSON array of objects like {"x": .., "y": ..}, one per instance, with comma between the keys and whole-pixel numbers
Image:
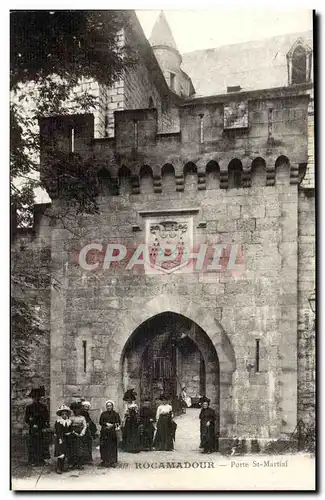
[
  {"x": 146, "y": 435},
  {"x": 207, "y": 437},
  {"x": 131, "y": 436},
  {"x": 38, "y": 447},
  {"x": 108, "y": 446},
  {"x": 76, "y": 449},
  {"x": 87, "y": 447},
  {"x": 165, "y": 433}
]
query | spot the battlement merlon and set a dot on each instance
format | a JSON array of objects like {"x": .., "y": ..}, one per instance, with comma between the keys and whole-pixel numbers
[{"x": 277, "y": 124}]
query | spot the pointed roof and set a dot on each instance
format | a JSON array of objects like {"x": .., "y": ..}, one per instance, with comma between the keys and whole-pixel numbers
[{"x": 162, "y": 34}]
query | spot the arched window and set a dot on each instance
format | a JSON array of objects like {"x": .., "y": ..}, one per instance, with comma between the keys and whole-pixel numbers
[
  {"x": 299, "y": 65},
  {"x": 299, "y": 59}
]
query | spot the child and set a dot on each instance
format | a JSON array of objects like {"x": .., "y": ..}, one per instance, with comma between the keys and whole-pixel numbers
[{"x": 62, "y": 428}]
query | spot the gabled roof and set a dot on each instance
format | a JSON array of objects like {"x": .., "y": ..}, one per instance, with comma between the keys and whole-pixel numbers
[
  {"x": 162, "y": 34},
  {"x": 255, "y": 65}
]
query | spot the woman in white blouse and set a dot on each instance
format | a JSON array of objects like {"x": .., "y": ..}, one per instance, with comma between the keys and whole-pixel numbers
[{"x": 166, "y": 427}]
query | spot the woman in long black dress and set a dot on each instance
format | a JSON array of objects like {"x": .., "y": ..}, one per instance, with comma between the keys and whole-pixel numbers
[
  {"x": 166, "y": 427},
  {"x": 207, "y": 427},
  {"x": 110, "y": 422},
  {"x": 78, "y": 431},
  {"x": 131, "y": 430},
  {"x": 62, "y": 429},
  {"x": 37, "y": 417},
  {"x": 147, "y": 429},
  {"x": 89, "y": 435}
]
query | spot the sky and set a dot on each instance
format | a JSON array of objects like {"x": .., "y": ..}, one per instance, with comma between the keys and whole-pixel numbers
[{"x": 204, "y": 29}]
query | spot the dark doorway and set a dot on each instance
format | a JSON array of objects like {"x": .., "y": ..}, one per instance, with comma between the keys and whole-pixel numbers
[{"x": 167, "y": 352}]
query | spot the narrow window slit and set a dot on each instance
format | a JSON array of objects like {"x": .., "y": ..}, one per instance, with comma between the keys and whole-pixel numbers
[
  {"x": 270, "y": 121},
  {"x": 84, "y": 347},
  {"x": 201, "y": 129},
  {"x": 257, "y": 355},
  {"x": 72, "y": 140},
  {"x": 135, "y": 134}
]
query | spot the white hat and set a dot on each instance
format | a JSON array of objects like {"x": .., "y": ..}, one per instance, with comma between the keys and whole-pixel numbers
[{"x": 63, "y": 408}]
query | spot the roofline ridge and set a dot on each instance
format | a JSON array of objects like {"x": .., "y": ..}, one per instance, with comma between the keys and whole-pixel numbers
[{"x": 297, "y": 33}]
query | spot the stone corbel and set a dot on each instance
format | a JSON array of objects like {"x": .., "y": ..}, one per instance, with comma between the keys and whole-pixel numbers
[
  {"x": 294, "y": 173},
  {"x": 201, "y": 175},
  {"x": 179, "y": 178},
  {"x": 247, "y": 173},
  {"x": 270, "y": 173},
  {"x": 201, "y": 181},
  {"x": 157, "y": 180},
  {"x": 223, "y": 164}
]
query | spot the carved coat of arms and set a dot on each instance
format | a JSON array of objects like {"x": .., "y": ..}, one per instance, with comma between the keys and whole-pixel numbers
[{"x": 169, "y": 241}]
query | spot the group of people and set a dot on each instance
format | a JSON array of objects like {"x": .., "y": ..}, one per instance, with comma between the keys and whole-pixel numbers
[{"x": 141, "y": 429}]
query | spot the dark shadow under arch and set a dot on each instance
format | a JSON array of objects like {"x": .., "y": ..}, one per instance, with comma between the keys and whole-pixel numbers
[
  {"x": 166, "y": 351},
  {"x": 212, "y": 175},
  {"x": 258, "y": 172},
  {"x": 190, "y": 176},
  {"x": 146, "y": 179},
  {"x": 235, "y": 173},
  {"x": 168, "y": 177}
]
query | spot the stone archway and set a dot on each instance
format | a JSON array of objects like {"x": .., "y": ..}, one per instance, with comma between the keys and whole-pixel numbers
[
  {"x": 201, "y": 316},
  {"x": 167, "y": 352}
]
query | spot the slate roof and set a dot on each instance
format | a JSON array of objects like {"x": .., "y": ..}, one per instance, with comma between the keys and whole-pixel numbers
[
  {"x": 254, "y": 65},
  {"x": 162, "y": 34}
]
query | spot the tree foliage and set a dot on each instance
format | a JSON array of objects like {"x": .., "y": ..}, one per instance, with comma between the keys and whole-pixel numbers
[
  {"x": 51, "y": 52},
  {"x": 68, "y": 43}
]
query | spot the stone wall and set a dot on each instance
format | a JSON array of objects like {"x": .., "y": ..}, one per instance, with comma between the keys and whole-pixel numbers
[
  {"x": 30, "y": 255},
  {"x": 190, "y": 373},
  {"x": 260, "y": 303},
  {"x": 306, "y": 318},
  {"x": 140, "y": 92},
  {"x": 262, "y": 219}
]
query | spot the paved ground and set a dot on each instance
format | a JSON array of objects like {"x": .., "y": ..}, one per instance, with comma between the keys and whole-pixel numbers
[{"x": 183, "y": 468}]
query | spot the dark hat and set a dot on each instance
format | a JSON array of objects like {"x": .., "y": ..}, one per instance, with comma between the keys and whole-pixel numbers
[
  {"x": 76, "y": 405},
  {"x": 204, "y": 399},
  {"x": 130, "y": 395},
  {"x": 37, "y": 392},
  {"x": 163, "y": 397}
]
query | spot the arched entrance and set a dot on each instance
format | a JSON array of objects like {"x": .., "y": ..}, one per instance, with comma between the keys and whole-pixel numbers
[
  {"x": 128, "y": 351},
  {"x": 167, "y": 352}
]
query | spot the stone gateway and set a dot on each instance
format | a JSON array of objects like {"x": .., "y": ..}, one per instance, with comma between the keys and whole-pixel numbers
[{"x": 229, "y": 167}]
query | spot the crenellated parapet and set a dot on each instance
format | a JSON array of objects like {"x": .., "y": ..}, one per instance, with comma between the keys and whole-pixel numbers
[{"x": 214, "y": 146}]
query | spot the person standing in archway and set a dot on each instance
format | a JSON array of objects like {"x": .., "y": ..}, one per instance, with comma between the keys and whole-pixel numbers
[
  {"x": 147, "y": 418},
  {"x": 166, "y": 427},
  {"x": 207, "y": 426},
  {"x": 187, "y": 400},
  {"x": 110, "y": 422}
]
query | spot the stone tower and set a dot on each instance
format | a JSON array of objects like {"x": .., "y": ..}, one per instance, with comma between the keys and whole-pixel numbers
[{"x": 166, "y": 52}]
